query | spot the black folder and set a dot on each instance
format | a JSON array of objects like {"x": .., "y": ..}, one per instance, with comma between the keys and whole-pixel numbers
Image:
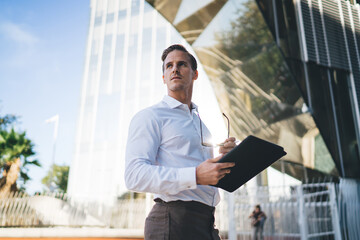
[{"x": 251, "y": 157}]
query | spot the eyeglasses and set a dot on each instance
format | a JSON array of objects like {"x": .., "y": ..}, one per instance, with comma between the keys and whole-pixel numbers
[{"x": 210, "y": 144}]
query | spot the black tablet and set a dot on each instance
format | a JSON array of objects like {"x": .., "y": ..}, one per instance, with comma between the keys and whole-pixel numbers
[{"x": 251, "y": 157}]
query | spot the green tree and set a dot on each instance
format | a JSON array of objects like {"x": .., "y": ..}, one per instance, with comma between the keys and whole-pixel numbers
[
  {"x": 7, "y": 120},
  {"x": 251, "y": 42},
  {"x": 16, "y": 155},
  {"x": 57, "y": 175}
]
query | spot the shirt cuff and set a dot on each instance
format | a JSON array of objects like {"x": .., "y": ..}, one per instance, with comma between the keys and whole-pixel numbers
[{"x": 187, "y": 177}]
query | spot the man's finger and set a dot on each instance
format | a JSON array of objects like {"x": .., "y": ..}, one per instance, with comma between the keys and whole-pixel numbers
[
  {"x": 225, "y": 150},
  {"x": 215, "y": 159},
  {"x": 224, "y": 171},
  {"x": 230, "y": 139},
  {"x": 221, "y": 176},
  {"x": 226, "y": 165},
  {"x": 229, "y": 145}
]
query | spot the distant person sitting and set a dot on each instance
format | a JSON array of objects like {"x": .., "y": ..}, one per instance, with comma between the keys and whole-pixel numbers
[{"x": 258, "y": 218}]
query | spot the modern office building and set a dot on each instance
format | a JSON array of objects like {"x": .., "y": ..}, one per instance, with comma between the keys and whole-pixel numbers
[
  {"x": 122, "y": 75},
  {"x": 287, "y": 71}
]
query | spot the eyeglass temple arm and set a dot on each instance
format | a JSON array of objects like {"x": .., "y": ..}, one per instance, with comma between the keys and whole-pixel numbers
[{"x": 228, "y": 124}]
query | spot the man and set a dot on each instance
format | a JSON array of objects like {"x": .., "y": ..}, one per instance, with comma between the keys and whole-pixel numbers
[
  {"x": 258, "y": 218},
  {"x": 165, "y": 156}
]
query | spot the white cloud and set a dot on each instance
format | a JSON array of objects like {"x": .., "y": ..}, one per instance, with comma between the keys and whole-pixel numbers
[
  {"x": 17, "y": 33},
  {"x": 20, "y": 46}
]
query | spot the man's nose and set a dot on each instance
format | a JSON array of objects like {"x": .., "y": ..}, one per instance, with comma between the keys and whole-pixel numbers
[{"x": 176, "y": 68}]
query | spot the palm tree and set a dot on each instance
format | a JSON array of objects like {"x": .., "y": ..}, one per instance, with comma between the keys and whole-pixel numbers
[{"x": 15, "y": 151}]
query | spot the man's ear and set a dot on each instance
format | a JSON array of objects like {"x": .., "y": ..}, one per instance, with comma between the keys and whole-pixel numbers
[{"x": 196, "y": 74}]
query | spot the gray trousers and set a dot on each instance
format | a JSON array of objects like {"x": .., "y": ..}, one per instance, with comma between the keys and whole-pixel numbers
[
  {"x": 181, "y": 220},
  {"x": 257, "y": 233}
]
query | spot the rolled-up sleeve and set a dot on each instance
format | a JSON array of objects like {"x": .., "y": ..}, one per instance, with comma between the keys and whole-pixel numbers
[{"x": 142, "y": 174}]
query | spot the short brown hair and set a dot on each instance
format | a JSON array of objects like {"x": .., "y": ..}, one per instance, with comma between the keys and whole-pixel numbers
[{"x": 180, "y": 48}]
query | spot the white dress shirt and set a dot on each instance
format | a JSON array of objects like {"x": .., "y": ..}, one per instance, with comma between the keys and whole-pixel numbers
[{"x": 163, "y": 150}]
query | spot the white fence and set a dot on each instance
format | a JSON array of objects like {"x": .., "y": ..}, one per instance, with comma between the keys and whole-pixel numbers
[
  {"x": 56, "y": 209},
  {"x": 300, "y": 212},
  {"x": 307, "y": 211}
]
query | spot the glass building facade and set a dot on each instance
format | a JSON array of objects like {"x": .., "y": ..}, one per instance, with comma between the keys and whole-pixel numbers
[
  {"x": 122, "y": 74},
  {"x": 289, "y": 72},
  {"x": 286, "y": 71}
]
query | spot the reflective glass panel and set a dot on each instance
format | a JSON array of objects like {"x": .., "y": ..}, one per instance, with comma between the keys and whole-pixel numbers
[{"x": 251, "y": 78}]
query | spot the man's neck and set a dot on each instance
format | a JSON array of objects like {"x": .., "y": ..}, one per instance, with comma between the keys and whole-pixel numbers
[{"x": 183, "y": 97}]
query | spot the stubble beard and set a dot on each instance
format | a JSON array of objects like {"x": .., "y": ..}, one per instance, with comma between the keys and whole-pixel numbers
[{"x": 177, "y": 87}]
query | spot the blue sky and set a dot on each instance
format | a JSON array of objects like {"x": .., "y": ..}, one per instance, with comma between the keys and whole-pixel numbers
[{"x": 42, "y": 54}]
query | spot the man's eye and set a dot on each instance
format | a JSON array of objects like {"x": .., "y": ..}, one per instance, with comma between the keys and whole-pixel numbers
[{"x": 168, "y": 66}]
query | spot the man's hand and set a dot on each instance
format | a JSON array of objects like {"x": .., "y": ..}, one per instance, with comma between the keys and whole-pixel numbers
[
  {"x": 210, "y": 172},
  {"x": 229, "y": 144}
]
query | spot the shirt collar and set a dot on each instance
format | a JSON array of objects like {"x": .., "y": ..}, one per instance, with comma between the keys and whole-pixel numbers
[{"x": 173, "y": 103}]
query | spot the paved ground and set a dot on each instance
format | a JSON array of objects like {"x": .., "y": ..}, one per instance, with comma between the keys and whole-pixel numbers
[
  {"x": 58, "y": 238},
  {"x": 58, "y": 233}
]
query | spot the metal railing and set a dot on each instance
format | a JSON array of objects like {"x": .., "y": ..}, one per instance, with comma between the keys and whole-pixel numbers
[
  {"x": 57, "y": 209},
  {"x": 349, "y": 206},
  {"x": 307, "y": 211}
]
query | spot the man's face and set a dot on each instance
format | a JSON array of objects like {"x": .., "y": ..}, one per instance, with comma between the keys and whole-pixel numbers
[{"x": 178, "y": 74}]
